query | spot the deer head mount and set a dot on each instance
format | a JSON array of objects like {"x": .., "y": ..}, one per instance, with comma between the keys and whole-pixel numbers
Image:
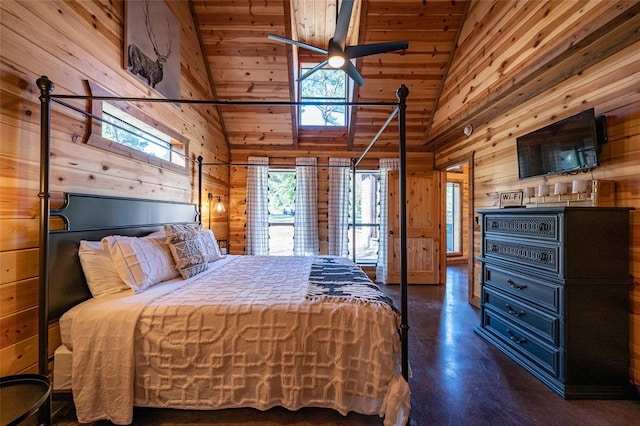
[{"x": 143, "y": 65}]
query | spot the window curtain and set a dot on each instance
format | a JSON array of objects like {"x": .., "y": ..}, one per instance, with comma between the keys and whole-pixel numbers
[
  {"x": 305, "y": 222},
  {"x": 339, "y": 188},
  {"x": 257, "y": 206},
  {"x": 386, "y": 164}
]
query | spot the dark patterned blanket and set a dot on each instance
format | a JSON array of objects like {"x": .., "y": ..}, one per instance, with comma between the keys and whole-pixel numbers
[{"x": 341, "y": 278}]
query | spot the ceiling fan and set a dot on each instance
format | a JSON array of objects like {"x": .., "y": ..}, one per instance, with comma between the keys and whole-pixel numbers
[{"x": 338, "y": 54}]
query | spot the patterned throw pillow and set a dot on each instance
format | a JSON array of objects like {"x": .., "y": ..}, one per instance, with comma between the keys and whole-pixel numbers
[{"x": 187, "y": 249}]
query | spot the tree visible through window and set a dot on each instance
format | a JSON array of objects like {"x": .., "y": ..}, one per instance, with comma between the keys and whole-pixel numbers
[
  {"x": 367, "y": 217},
  {"x": 454, "y": 217},
  {"x": 127, "y": 130},
  {"x": 282, "y": 196},
  {"x": 325, "y": 85}
]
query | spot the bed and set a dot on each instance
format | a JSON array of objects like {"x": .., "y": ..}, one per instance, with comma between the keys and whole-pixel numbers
[
  {"x": 313, "y": 342},
  {"x": 247, "y": 331}
]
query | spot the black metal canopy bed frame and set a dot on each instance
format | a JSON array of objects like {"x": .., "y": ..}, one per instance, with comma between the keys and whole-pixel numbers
[{"x": 61, "y": 281}]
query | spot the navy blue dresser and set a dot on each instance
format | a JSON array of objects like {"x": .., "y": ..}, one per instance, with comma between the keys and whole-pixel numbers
[{"x": 555, "y": 295}]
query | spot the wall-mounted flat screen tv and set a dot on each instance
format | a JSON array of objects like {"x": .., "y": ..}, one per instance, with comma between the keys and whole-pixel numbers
[{"x": 568, "y": 146}]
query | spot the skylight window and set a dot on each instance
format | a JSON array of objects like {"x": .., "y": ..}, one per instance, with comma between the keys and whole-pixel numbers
[{"x": 325, "y": 85}]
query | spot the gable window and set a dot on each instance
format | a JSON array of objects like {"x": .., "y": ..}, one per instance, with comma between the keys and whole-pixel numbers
[{"x": 324, "y": 85}]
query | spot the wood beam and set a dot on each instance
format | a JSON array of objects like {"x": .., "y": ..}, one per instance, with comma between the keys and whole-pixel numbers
[
  {"x": 212, "y": 85},
  {"x": 353, "y": 116}
]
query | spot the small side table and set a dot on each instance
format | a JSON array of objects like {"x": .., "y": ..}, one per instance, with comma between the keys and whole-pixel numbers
[
  {"x": 224, "y": 246},
  {"x": 22, "y": 395}
]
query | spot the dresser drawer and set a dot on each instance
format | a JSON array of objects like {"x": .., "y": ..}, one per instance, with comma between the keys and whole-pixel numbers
[
  {"x": 542, "y": 227},
  {"x": 544, "y": 325},
  {"x": 543, "y": 294},
  {"x": 544, "y": 356},
  {"x": 541, "y": 256}
]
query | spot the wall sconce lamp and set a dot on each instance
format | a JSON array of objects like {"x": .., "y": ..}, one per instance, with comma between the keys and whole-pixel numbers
[{"x": 219, "y": 206}]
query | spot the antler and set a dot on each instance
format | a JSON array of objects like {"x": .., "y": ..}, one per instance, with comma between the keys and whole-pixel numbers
[
  {"x": 152, "y": 36},
  {"x": 169, "y": 38}
]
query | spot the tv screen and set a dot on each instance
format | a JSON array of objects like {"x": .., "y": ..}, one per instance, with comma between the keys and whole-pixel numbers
[{"x": 567, "y": 146}]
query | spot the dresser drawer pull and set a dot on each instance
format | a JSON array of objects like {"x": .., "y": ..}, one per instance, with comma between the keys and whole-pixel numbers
[
  {"x": 515, "y": 285},
  {"x": 513, "y": 312},
  {"x": 513, "y": 337}
]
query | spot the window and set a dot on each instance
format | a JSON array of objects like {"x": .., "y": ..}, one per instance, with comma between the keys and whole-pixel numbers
[
  {"x": 367, "y": 223},
  {"x": 138, "y": 136},
  {"x": 325, "y": 85},
  {"x": 454, "y": 218},
  {"x": 127, "y": 130},
  {"x": 282, "y": 196}
]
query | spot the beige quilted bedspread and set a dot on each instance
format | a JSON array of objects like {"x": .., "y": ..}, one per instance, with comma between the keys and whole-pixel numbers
[{"x": 244, "y": 336}]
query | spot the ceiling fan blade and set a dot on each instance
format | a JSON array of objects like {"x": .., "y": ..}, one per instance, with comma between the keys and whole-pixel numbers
[
  {"x": 342, "y": 23},
  {"x": 296, "y": 43},
  {"x": 372, "y": 49},
  {"x": 352, "y": 72},
  {"x": 314, "y": 69}
]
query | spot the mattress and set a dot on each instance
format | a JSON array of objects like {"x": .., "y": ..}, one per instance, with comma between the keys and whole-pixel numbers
[
  {"x": 251, "y": 332},
  {"x": 63, "y": 359},
  {"x": 67, "y": 319}
]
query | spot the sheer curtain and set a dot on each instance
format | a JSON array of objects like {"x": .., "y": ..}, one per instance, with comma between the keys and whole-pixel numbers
[
  {"x": 305, "y": 222},
  {"x": 386, "y": 164},
  {"x": 257, "y": 206},
  {"x": 339, "y": 187}
]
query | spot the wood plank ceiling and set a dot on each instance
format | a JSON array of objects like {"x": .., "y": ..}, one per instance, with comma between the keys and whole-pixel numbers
[{"x": 245, "y": 65}]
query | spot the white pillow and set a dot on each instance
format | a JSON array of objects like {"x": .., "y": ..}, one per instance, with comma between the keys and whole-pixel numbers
[
  {"x": 211, "y": 247},
  {"x": 102, "y": 277},
  {"x": 141, "y": 262}
]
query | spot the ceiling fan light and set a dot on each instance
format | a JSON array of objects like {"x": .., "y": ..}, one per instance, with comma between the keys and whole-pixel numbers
[{"x": 336, "y": 60}]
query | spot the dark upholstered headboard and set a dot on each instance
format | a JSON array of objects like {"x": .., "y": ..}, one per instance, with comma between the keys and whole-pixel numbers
[{"x": 91, "y": 217}]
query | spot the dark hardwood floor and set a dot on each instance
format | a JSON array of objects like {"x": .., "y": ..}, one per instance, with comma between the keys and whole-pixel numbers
[{"x": 457, "y": 379}]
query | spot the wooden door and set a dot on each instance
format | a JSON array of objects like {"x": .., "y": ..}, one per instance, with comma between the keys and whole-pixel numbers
[{"x": 423, "y": 228}]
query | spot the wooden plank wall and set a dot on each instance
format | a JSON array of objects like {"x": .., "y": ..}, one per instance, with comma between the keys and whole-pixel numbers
[
  {"x": 517, "y": 35},
  {"x": 71, "y": 42},
  {"x": 238, "y": 184}
]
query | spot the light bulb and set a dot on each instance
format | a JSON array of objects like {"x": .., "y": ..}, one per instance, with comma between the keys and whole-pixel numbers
[
  {"x": 219, "y": 206},
  {"x": 336, "y": 61}
]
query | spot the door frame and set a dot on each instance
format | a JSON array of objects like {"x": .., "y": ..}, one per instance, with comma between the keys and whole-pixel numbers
[{"x": 468, "y": 159}]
